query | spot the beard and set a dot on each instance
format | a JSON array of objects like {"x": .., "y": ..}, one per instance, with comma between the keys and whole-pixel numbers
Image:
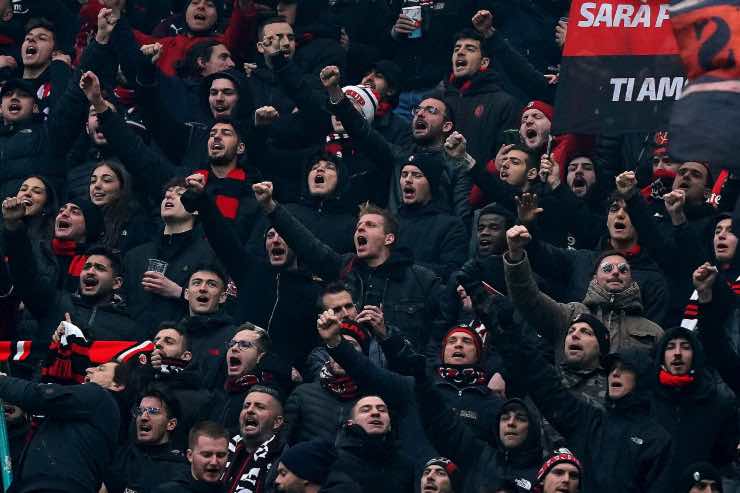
[{"x": 224, "y": 160}]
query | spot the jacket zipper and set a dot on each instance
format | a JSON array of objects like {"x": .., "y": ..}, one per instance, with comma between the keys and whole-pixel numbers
[{"x": 277, "y": 300}]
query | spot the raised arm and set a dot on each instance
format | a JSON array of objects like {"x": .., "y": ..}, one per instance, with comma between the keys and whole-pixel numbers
[
  {"x": 539, "y": 310},
  {"x": 53, "y": 400},
  {"x": 317, "y": 255}
]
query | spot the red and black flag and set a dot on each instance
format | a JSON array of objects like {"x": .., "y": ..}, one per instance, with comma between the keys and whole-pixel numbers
[
  {"x": 620, "y": 70},
  {"x": 704, "y": 121}
]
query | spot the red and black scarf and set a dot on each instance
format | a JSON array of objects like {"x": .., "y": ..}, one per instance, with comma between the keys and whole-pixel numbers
[
  {"x": 691, "y": 311},
  {"x": 462, "y": 375},
  {"x": 342, "y": 387},
  {"x": 69, "y": 248},
  {"x": 228, "y": 190}
]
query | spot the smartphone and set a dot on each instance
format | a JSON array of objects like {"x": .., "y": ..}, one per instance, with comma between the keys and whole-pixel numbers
[{"x": 511, "y": 136}]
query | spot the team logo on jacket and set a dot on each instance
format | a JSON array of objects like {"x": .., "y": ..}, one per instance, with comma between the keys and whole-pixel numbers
[
  {"x": 523, "y": 484},
  {"x": 479, "y": 111}
]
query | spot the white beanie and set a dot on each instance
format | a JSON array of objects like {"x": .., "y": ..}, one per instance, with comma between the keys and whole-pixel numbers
[{"x": 364, "y": 98}]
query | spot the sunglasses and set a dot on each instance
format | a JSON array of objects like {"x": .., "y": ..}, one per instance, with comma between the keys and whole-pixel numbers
[
  {"x": 151, "y": 411},
  {"x": 623, "y": 268}
]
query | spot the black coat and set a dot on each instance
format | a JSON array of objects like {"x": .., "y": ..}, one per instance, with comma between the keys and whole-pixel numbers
[
  {"x": 373, "y": 462},
  {"x": 74, "y": 443},
  {"x": 700, "y": 417},
  {"x": 282, "y": 301},
  {"x": 438, "y": 240},
  {"x": 410, "y": 294},
  {"x": 190, "y": 485},
  {"x": 182, "y": 252},
  {"x": 313, "y": 413},
  {"x": 482, "y": 112},
  {"x": 208, "y": 335},
  {"x": 140, "y": 469}
]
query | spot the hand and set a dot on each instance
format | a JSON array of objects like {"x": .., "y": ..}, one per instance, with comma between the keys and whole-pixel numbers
[
  {"x": 8, "y": 62},
  {"x": 157, "y": 283},
  {"x": 549, "y": 171},
  {"x": 373, "y": 315},
  {"x": 483, "y": 23},
  {"x": 561, "y": 31},
  {"x": 456, "y": 145},
  {"x": 703, "y": 279},
  {"x": 13, "y": 212},
  {"x": 404, "y": 26},
  {"x": 295, "y": 376},
  {"x": 115, "y": 5},
  {"x": 330, "y": 76},
  {"x": 196, "y": 183},
  {"x": 152, "y": 51},
  {"x": 674, "y": 205},
  {"x": 497, "y": 384},
  {"x": 107, "y": 20},
  {"x": 90, "y": 85},
  {"x": 59, "y": 332},
  {"x": 156, "y": 359},
  {"x": 467, "y": 303},
  {"x": 344, "y": 39},
  {"x": 328, "y": 326},
  {"x": 552, "y": 79},
  {"x": 517, "y": 237},
  {"x": 60, "y": 56},
  {"x": 265, "y": 116},
  {"x": 502, "y": 151},
  {"x": 626, "y": 184},
  {"x": 263, "y": 194},
  {"x": 249, "y": 68},
  {"x": 526, "y": 207}
]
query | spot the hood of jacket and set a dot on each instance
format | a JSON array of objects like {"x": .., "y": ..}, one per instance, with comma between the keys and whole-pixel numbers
[
  {"x": 639, "y": 362},
  {"x": 530, "y": 452},
  {"x": 703, "y": 381},
  {"x": 353, "y": 440},
  {"x": 599, "y": 299}
]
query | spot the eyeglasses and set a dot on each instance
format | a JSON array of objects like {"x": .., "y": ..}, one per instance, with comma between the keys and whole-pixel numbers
[
  {"x": 429, "y": 109},
  {"x": 242, "y": 345},
  {"x": 623, "y": 268},
  {"x": 151, "y": 411}
]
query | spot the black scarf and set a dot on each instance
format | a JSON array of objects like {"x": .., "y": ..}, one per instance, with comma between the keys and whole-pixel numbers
[
  {"x": 461, "y": 376},
  {"x": 342, "y": 387}
]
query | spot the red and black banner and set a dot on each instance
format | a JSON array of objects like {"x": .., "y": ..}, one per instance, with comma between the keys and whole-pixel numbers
[
  {"x": 704, "y": 122},
  {"x": 621, "y": 69}
]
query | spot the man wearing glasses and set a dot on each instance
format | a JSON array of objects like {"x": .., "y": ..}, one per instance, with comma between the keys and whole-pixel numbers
[
  {"x": 151, "y": 459},
  {"x": 613, "y": 297}
]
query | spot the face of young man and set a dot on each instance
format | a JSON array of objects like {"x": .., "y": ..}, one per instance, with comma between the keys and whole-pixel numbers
[
  {"x": 243, "y": 354},
  {"x": 434, "y": 479},
  {"x": 429, "y": 122},
  {"x": 460, "y": 349},
  {"x": 223, "y": 97},
  {"x": 97, "y": 279},
  {"x": 514, "y": 169},
  {"x": 513, "y": 427},
  {"x": 415, "y": 187},
  {"x": 467, "y": 58},
  {"x": 153, "y": 424},
  {"x": 208, "y": 458},
  {"x": 224, "y": 145},
  {"x": 581, "y": 346},
  {"x": 171, "y": 344},
  {"x": 725, "y": 241},
  {"x": 171, "y": 209},
  {"x": 287, "y": 482},
  {"x": 278, "y": 252},
  {"x": 70, "y": 223},
  {"x": 103, "y": 375},
  {"x": 692, "y": 178},
  {"x": 621, "y": 380},
  {"x": 619, "y": 223},
  {"x": 491, "y": 235},
  {"x": 261, "y": 417},
  {"x": 370, "y": 236},
  {"x": 371, "y": 414},
  {"x": 377, "y": 82},
  {"x": 678, "y": 357},
  {"x": 201, "y": 15},
  {"x": 17, "y": 106},
  {"x": 341, "y": 304},
  {"x": 534, "y": 129},
  {"x": 581, "y": 176},
  {"x": 37, "y": 47},
  {"x": 219, "y": 61},
  {"x": 322, "y": 179},
  {"x": 277, "y": 36},
  {"x": 563, "y": 478},
  {"x": 205, "y": 293}
]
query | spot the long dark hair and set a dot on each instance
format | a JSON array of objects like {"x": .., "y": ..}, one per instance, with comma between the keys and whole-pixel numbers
[
  {"x": 116, "y": 214},
  {"x": 41, "y": 226}
]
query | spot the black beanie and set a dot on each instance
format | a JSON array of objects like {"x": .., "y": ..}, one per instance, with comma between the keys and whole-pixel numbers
[
  {"x": 600, "y": 330},
  {"x": 310, "y": 461},
  {"x": 453, "y": 472},
  {"x": 699, "y": 471},
  {"x": 431, "y": 164},
  {"x": 94, "y": 224}
]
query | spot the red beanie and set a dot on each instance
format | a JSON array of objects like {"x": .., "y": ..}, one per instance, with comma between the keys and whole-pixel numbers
[
  {"x": 544, "y": 107},
  {"x": 477, "y": 340}
]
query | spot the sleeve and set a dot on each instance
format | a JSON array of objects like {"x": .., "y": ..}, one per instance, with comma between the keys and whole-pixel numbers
[
  {"x": 149, "y": 168},
  {"x": 241, "y": 31},
  {"x": 539, "y": 310},
  {"x": 35, "y": 290},
  {"x": 368, "y": 140},
  {"x": 712, "y": 318},
  {"x": 324, "y": 261},
  {"x": 59, "y": 76},
  {"x": 292, "y": 417},
  {"x": 453, "y": 250},
  {"x": 518, "y": 68},
  {"x": 658, "y": 467},
  {"x": 392, "y": 387},
  {"x": 68, "y": 118},
  {"x": 493, "y": 188},
  {"x": 59, "y": 401}
]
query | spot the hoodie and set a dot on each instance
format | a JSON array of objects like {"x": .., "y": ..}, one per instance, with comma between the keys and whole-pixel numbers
[{"x": 701, "y": 418}]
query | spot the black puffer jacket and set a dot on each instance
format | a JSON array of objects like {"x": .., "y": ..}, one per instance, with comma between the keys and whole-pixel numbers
[
  {"x": 701, "y": 418},
  {"x": 373, "y": 462},
  {"x": 74, "y": 443},
  {"x": 482, "y": 111},
  {"x": 313, "y": 412},
  {"x": 140, "y": 469},
  {"x": 481, "y": 462},
  {"x": 182, "y": 252},
  {"x": 411, "y": 295},
  {"x": 190, "y": 485}
]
